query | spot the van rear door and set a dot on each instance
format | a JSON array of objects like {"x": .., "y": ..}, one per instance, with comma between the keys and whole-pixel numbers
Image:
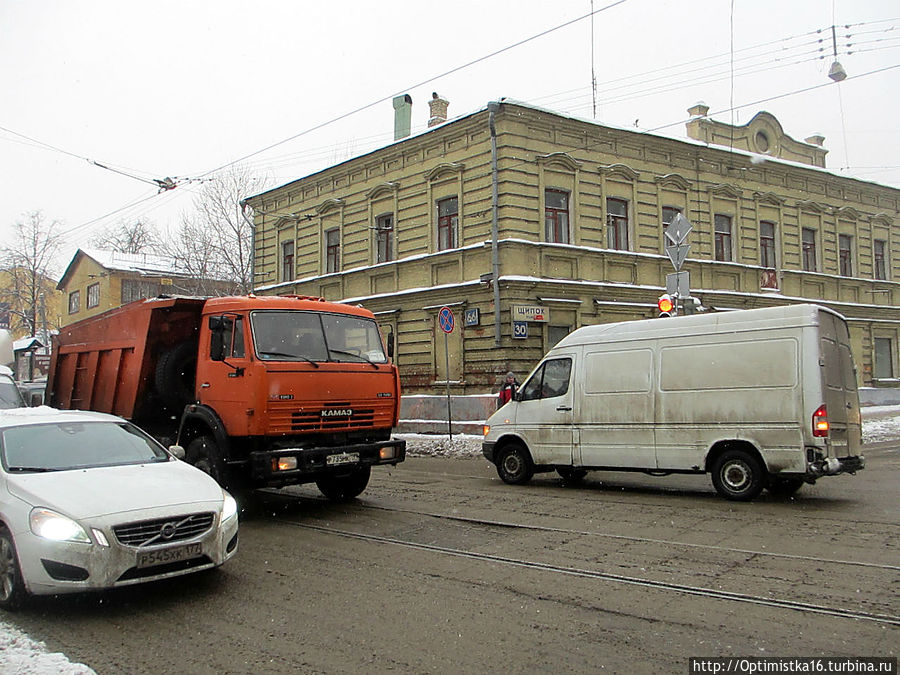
[{"x": 841, "y": 395}]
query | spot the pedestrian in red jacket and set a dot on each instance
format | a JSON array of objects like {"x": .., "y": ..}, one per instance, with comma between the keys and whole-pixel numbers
[{"x": 507, "y": 390}]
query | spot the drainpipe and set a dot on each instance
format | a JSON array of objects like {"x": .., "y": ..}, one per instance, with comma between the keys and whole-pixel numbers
[{"x": 493, "y": 107}]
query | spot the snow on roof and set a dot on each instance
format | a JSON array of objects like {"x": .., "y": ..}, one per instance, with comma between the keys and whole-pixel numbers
[{"x": 142, "y": 263}]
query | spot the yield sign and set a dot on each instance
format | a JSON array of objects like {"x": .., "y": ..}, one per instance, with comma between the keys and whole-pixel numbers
[
  {"x": 678, "y": 230},
  {"x": 677, "y": 255}
]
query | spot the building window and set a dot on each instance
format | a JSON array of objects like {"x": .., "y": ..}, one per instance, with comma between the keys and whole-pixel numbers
[
  {"x": 74, "y": 302},
  {"x": 287, "y": 261},
  {"x": 808, "y": 249},
  {"x": 845, "y": 256},
  {"x": 93, "y": 295},
  {"x": 332, "y": 250},
  {"x": 556, "y": 216},
  {"x": 384, "y": 238},
  {"x": 448, "y": 221},
  {"x": 884, "y": 363},
  {"x": 136, "y": 290},
  {"x": 767, "y": 244},
  {"x": 880, "y": 268},
  {"x": 723, "y": 237},
  {"x": 617, "y": 223}
]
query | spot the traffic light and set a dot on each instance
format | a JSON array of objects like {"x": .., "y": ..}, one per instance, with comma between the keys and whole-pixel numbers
[{"x": 666, "y": 305}]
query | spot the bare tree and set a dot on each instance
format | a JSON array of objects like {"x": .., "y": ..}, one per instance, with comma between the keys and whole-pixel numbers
[
  {"x": 217, "y": 238},
  {"x": 139, "y": 236},
  {"x": 29, "y": 262}
]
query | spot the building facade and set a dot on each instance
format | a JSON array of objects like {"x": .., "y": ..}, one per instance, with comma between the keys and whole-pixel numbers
[{"x": 528, "y": 224}]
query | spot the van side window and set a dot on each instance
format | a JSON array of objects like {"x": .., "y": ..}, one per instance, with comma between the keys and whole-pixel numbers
[{"x": 551, "y": 379}]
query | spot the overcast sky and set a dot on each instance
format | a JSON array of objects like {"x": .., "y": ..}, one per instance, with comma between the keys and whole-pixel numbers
[{"x": 180, "y": 89}]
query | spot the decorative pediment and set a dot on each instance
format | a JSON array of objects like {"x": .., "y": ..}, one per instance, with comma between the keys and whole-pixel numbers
[
  {"x": 328, "y": 205},
  {"x": 726, "y": 190},
  {"x": 389, "y": 187},
  {"x": 882, "y": 219},
  {"x": 621, "y": 170},
  {"x": 769, "y": 198},
  {"x": 444, "y": 168},
  {"x": 673, "y": 180},
  {"x": 811, "y": 206},
  {"x": 847, "y": 213},
  {"x": 563, "y": 159}
]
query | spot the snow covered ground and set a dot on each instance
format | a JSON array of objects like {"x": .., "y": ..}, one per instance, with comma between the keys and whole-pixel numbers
[{"x": 21, "y": 655}]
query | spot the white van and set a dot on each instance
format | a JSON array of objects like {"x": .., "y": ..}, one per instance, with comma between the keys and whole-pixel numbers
[{"x": 762, "y": 398}]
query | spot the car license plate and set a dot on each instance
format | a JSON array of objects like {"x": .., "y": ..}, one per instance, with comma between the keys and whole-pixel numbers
[
  {"x": 342, "y": 458},
  {"x": 164, "y": 556}
]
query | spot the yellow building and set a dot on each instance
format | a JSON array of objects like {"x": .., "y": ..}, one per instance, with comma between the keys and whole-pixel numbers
[
  {"x": 97, "y": 280},
  {"x": 575, "y": 236},
  {"x": 28, "y": 306}
]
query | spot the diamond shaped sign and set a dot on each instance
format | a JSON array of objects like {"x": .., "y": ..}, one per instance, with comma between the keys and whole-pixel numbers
[
  {"x": 678, "y": 254},
  {"x": 678, "y": 230}
]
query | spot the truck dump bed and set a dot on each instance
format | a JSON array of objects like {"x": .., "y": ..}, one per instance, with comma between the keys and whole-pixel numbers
[{"x": 108, "y": 363}]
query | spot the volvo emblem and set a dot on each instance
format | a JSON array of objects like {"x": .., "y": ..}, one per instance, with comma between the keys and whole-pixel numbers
[{"x": 168, "y": 530}]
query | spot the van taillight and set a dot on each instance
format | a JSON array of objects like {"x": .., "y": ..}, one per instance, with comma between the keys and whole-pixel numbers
[{"x": 820, "y": 422}]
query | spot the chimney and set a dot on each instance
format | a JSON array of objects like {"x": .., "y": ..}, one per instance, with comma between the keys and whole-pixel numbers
[
  {"x": 438, "y": 110},
  {"x": 699, "y": 109},
  {"x": 402, "y": 116},
  {"x": 816, "y": 139}
]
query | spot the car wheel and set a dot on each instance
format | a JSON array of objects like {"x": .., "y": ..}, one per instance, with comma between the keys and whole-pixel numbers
[
  {"x": 570, "y": 474},
  {"x": 514, "y": 465},
  {"x": 737, "y": 475},
  {"x": 784, "y": 487},
  {"x": 344, "y": 488},
  {"x": 12, "y": 586}
]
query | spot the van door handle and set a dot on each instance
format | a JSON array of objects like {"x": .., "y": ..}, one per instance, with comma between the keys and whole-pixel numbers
[{"x": 563, "y": 408}]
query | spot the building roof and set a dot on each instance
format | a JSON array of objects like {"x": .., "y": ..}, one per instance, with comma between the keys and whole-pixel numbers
[{"x": 140, "y": 264}]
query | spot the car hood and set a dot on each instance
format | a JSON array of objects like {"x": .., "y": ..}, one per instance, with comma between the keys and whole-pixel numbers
[{"x": 85, "y": 493}]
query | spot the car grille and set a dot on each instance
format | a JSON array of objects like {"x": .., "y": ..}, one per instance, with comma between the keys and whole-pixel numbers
[{"x": 163, "y": 530}]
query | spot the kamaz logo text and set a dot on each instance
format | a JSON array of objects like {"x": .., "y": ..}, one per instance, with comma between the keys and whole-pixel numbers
[{"x": 344, "y": 412}]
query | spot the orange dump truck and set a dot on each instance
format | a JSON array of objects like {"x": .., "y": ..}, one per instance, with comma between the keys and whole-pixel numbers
[{"x": 260, "y": 391}]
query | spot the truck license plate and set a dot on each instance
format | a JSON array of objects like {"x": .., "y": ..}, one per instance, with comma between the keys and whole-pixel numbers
[
  {"x": 169, "y": 555},
  {"x": 342, "y": 458}
]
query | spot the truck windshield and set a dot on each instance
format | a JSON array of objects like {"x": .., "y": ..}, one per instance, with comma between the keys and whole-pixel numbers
[{"x": 315, "y": 336}]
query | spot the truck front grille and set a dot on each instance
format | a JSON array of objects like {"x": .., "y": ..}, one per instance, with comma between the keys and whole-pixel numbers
[
  {"x": 163, "y": 530},
  {"x": 286, "y": 417}
]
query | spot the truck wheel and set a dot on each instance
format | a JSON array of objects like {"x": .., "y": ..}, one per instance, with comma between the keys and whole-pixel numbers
[
  {"x": 203, "y": 453},
  {"x": 175, "y": 371},
  {"x": 784, "y": 487},
  {"x": 12, "y": 586},
  {"x": 514, "y": 465},
  {"x": 570, "y": 474},
  {"x": 344, "y": 488},
  {"x": 737, "y": 475}
]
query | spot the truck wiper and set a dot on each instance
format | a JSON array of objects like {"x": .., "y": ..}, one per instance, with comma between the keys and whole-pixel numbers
[
  {"x": 358, "y": 356},
  {"x": 290, "y": 356},
  {"x": 30, "y": 469}
]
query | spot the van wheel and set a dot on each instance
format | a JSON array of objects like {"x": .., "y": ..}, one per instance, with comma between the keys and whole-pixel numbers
[
  {"x": 737, "y": 475},
  {"x": 570, "y": 474},
  {"x": 514, "y": 465},
  {"x": 784, "y": 487},
  {"x": 344, "y": 488},
  {"x": 12, "y": 586}
]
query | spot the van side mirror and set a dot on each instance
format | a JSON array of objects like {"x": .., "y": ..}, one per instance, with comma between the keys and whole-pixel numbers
[{"x": 36, "y": 400}]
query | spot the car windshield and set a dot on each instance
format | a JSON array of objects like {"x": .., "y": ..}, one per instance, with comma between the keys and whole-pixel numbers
[
  {"x": 9, "y": 394},
  {"x": 76, "y": 445},
  {"x": 316, "y": 336}
]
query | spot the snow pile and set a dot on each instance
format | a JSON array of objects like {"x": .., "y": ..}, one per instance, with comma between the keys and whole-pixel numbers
[
  {"x": 21, "y": 655},
  {"x": 441, "y": 445}
]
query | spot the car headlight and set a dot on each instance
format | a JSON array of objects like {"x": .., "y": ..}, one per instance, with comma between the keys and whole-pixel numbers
[
  {"x": 229, "y": 507},
  {"x": 56, "y": 527}
]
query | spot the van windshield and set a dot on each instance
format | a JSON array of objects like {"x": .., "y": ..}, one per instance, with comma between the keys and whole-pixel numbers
[
  {"x": 10, "y": 397},
  {"x": 549, "y": 380},
  {"x": 316, "y": 336}
]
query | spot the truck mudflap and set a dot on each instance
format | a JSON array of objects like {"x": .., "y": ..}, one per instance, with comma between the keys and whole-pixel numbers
[
  {"x": 301, "y": 465},
  {"x": 832, "y": 466}
]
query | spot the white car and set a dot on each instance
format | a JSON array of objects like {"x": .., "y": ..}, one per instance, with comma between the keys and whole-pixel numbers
[{"x": 89, "y": 501}]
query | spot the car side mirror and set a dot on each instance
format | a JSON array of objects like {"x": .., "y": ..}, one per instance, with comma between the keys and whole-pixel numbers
[
  {"x": 177, "y": 452},
  {"x": 36, "y": 400}
]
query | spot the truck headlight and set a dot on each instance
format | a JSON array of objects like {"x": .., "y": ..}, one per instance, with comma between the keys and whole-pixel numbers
[{"x": 51, "y": 525}]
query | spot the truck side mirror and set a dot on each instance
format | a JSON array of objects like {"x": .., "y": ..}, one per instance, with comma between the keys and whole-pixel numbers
[
  {"x": 390, "y": 343},
  {"x": 217, "y": 338}
]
